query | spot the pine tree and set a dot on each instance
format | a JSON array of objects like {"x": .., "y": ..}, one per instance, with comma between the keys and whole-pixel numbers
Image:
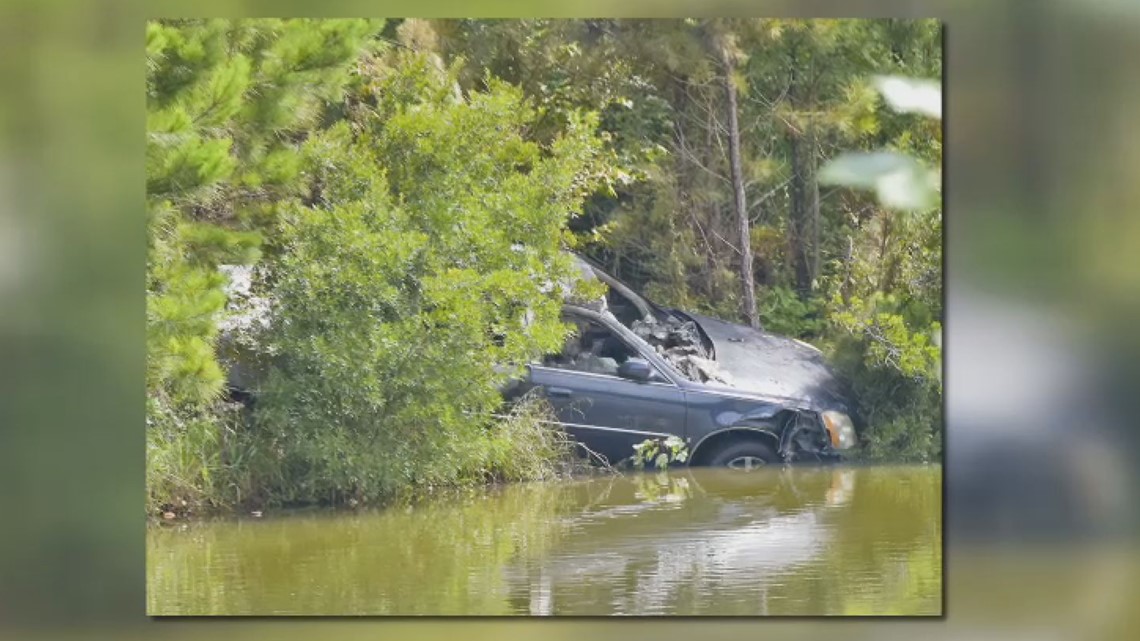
[{"x": 227, "y": 104}]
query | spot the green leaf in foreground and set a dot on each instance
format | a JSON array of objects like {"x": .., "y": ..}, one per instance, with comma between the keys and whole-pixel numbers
[
  {"x": 911, "y": 95},
  {"x": 899, "y": 181}
]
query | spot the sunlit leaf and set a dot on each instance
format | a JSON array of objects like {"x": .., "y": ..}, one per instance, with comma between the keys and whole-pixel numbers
[
  {"x": 899, "y": 181},
  {"x": 863, "y": 169},
  {"x": 910, "y": 95}
]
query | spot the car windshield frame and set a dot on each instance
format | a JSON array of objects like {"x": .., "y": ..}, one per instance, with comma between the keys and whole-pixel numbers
[
  {"x": 623, "y": 289},
  {"x": 661, "y": 314}
]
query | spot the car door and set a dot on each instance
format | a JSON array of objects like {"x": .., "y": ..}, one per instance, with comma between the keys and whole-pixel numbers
[{"x": 603, "y": 411}]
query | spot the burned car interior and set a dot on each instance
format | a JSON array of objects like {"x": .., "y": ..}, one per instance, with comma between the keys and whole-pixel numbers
[
  {"x": 676, "y": 339},
  {"x": 593, "y": 348}
]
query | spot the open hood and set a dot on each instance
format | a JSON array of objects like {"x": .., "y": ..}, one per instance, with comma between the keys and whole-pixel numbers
[
  {"x": 772, "y": 365},
  {"x": 754, "y": 361}
]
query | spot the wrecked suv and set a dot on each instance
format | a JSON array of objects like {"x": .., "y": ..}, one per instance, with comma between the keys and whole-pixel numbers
[{"x": 739, "y": 397}]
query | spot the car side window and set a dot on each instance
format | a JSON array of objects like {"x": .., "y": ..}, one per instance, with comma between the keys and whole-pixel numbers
[{"x": 591, "y": 347}]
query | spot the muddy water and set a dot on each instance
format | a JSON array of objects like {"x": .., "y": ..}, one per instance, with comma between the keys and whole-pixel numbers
[{"x": 691, "y": 542}]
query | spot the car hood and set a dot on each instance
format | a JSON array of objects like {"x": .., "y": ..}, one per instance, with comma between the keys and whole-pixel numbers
[{"x": 773, "y": 366}]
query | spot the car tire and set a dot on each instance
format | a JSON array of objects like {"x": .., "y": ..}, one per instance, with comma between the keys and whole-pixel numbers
[{"x": 745, "y": 455}]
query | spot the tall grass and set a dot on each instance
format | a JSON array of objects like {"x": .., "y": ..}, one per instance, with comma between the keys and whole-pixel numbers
[
  {"x": 525, "y": 443},
  {"x": 225, "y": 460},
  {"x": 182, "y": 458}
]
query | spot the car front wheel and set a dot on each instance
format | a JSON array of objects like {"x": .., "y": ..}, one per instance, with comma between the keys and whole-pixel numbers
[{"x": 745, "y": 455}]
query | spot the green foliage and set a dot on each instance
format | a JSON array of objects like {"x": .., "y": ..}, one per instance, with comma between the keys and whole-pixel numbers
[
  {"x": 888, "y": 309},
  {"x": 890, "y": 334},
  {"x": 434, "y": 255},
  {"x": 408, "y": 237},
  {"x": 894, "y": 362},
  {"x": 226, "y": 101},
  {"x": 782, "y": 311},
  {"x": 192, "y": 457},
  {"x": 659, "y": 453}
]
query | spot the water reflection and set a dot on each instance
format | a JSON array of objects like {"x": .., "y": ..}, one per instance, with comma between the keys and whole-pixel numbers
[{"x": 692, "y": 542}]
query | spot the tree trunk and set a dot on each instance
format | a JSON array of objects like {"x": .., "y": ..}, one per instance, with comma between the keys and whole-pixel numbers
[
  {"x": 747, "y": 281},
  {"x": 816, "y": 225},
  {"x": 813, "y": 165},
  {"x": 800, "y": 214},
  {"x": 684, "y": 189},
  {"x": 813, "y": 181},
  {"x": 804, "y": 220}
]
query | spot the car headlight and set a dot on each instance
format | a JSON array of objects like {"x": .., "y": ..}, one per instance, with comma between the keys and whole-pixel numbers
[{"x": 841, "y": 429}]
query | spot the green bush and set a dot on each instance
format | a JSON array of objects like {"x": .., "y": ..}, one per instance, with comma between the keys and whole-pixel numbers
[
  {"x": 901, "y": 413},
  {"x": 430, "y": 271},
  {"x": 410, "y": 239},
  {"x": 782, "y": 311}
]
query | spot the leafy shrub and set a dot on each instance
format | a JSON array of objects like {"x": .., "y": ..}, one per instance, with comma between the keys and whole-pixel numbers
[
  {"x": 435, "y": 253},
  {"x": 782, "y": 311},
  {"x": 659, "y": 453}
]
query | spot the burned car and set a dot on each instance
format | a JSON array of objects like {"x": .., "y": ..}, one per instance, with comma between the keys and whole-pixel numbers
[{"x": 739, "y": 397}]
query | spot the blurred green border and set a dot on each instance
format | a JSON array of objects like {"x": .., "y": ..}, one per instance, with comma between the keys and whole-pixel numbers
[{"x": 73, "y": 164}]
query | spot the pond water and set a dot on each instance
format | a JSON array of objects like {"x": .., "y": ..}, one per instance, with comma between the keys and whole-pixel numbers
[{"x": 790, "y": 541}]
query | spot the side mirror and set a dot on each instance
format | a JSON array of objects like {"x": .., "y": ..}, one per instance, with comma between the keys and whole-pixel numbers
[{"x": 635, "y": 369}]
